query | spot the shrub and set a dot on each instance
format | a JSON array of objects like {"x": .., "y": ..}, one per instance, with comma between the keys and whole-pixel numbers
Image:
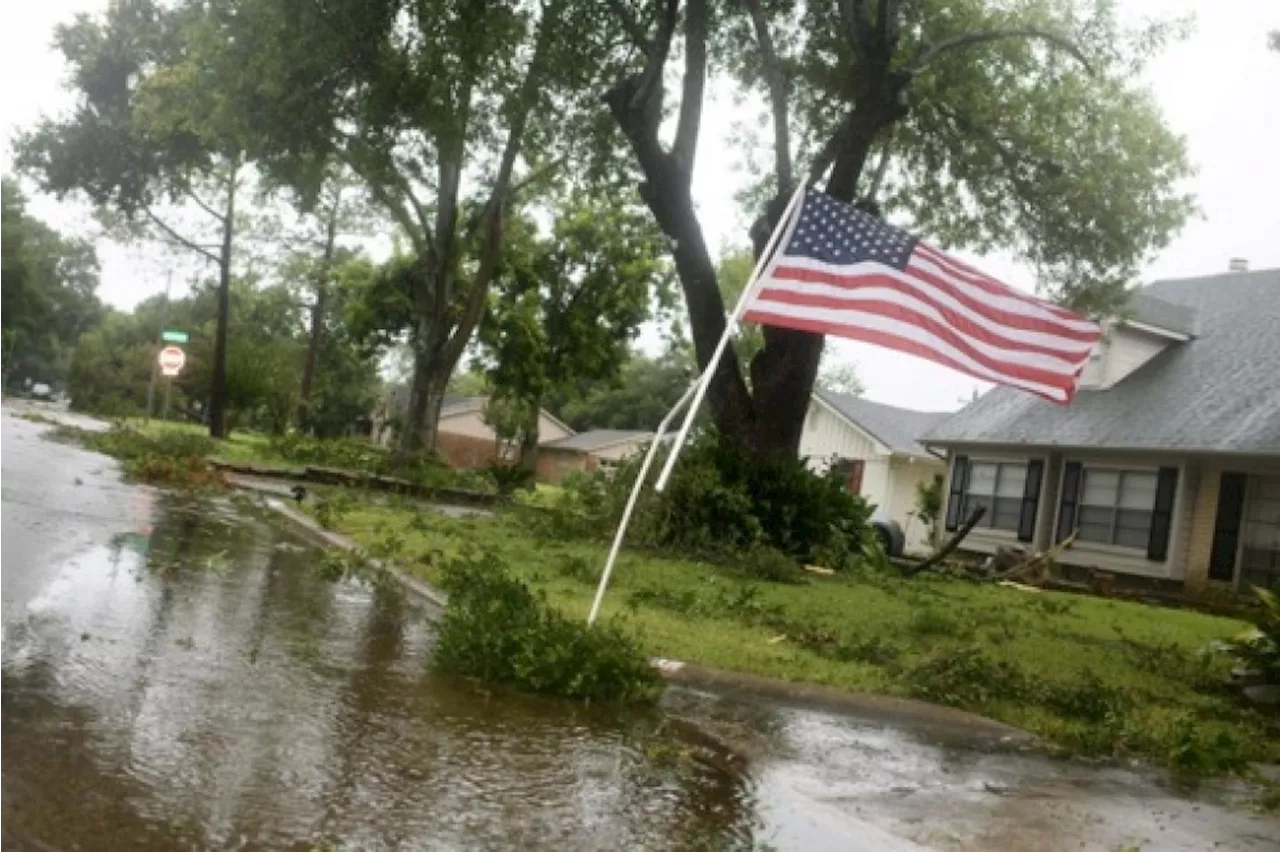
[
  {"x": 495, "y": 629},
  {"x": 771, "y": 565},
  {"x": 1259, "y": 648},
  {"x": 722, "y": 501}
]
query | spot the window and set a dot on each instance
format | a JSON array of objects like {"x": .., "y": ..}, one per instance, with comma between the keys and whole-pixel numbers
[
  {"x": 999, "y": 486},
  {"x": 1116, "y": 506},
  {"x": 1260, "y": 551}
]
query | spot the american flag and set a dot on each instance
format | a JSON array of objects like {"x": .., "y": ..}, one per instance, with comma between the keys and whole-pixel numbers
[{"x": 845, "y": 273}]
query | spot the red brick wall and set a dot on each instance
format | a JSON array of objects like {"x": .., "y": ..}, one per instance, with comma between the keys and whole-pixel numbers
[
  {"x": 466, "y": 452},
  {"x": 554, "y": 464}
]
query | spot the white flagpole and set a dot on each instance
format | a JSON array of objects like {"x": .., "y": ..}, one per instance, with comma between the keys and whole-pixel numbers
[
  {"x": 731, "y": 326},
  {"x": 631, "y": 501}
]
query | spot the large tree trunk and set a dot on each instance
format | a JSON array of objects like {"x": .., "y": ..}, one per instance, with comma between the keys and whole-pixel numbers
[
  {"x": 313, "y": 354},
  {"x": 317, "y": 317},
  {"x": 529, "y": 439},
  {"x": 426, "y": 397},
  {"x": 218, "y": 393}
]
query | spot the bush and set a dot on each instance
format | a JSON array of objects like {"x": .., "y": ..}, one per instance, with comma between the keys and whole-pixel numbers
[
  {"x": 495, "y": 629},
  {"x": 355, "y": 454},
  {"x": 766, "y": 563},
  {"x": 720, "y": 502}
]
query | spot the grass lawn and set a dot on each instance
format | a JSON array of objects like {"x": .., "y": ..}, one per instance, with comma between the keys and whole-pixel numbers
[
  {"x": 242, "y": 446},
  {"x": 1096, "y": 676}
]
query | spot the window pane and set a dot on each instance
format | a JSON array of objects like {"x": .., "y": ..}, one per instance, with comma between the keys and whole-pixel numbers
[
  {"x": 982, "y": 478},
  {"x": 1013, "y": 480},
  {"x": 972, "y": 502},
  {"x": 1267, "y": 487},
  {"x": 1138, "y": 490},
  {"x": 1095, "y": 524},
  {"x": 1100, "y": 487},
  {"x": 1007, "y": 512},
  {"x": 1133, "y": 528}
]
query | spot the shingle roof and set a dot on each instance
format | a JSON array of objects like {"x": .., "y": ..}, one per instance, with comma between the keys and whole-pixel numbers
[
  {"x": 1218, "y": 392},
  {"x": 597, "y": 439},
  {"x": 899, "y": 429},
  {"x": 1162, "y": 313}
]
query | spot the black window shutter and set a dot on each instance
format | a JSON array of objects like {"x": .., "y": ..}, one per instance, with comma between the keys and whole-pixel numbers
[
  {"x": 1226, "y": 526},
  {"x": 1162, "y": 514},
  {"x": 1030, "y": 500},
  {"x": 959, "y": 480},
  {"x": 1070, "y": 499}
]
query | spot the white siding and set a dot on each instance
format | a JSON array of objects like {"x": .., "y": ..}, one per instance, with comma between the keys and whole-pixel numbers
[
  {"x": 904, "y": 475},
  {"x": 827, "y": 435},
  {"x": 1124, "y": 350}
]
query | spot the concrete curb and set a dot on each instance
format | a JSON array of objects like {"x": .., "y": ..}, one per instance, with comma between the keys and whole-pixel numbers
[
  {"x": 938, "y": 723},
  {"x": 330, "y": 539}
]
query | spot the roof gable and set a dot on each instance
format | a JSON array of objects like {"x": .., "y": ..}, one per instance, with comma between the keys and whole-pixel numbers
[{"x": 899, "y": 429}]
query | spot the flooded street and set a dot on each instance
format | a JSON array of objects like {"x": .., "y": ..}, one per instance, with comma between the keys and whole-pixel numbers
[{"x": 176, "y": 676}]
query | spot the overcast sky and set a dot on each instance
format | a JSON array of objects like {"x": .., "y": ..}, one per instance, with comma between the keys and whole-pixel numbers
[{"x": 1220, "y": 88}]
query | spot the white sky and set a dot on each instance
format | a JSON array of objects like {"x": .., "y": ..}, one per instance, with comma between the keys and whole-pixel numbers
[{"x": 1220, "y": 88}]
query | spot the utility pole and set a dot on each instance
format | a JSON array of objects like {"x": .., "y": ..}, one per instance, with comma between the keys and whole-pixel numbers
[{"x": 155, "y": 360}]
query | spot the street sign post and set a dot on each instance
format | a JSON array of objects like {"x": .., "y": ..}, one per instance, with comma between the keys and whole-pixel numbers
[
  {"x": 171, "y": 360},
  {"x": 171, "y": 336}
]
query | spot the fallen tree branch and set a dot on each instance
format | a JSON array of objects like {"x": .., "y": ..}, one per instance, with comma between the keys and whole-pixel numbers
[{"x": 953, "y": 542}]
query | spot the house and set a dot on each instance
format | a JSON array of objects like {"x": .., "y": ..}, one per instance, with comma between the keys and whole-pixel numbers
[
  {"x": 877, "y": 446},
  {"x": 464, "y": 440},
  {"x": 587, "y": 452},
  {"x": 1166, "y": 465}
]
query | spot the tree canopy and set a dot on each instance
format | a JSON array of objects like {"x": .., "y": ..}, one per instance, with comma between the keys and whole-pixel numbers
[
  {"x": 1012, "y": 125},
  {"x": 49, "y": 293}
]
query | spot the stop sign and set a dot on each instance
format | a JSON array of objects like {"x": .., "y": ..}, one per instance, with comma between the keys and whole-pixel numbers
[{"x": 171, "y": 360}]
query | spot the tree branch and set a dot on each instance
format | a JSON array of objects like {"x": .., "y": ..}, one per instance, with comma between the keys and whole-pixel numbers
[
  {"x": 777, "y": 84},
  {"x": 969, "y": 39},
  {"x": 178, "y": 238},
  {"x": 525, "y": 100},
  {"x": 394, "y": 207},
  {"x": 202, "y": 204},
  {"x": 635, "y": 32},
  {"x": 882, "y": 167},
  {"x": 695, "y": 78}
]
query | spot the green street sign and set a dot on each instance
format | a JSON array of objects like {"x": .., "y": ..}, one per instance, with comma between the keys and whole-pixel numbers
[{"x": 174, "y": 337}]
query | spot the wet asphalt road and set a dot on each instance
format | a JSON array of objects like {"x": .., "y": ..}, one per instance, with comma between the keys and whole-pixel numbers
[{"x": 176, "y": 678}]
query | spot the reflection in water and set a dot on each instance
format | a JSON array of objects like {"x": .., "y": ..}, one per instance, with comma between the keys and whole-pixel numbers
[{"x": 195, "y": 686}]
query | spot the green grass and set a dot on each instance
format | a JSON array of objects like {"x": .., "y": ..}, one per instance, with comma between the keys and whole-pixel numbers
[
  {"x": 1095, "y": 676},
  {"x": 242, "y": 446}
]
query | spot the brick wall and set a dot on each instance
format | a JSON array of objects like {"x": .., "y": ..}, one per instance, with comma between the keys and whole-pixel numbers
[
  {"x": 466, "y": 452},
  {"x": 553, "y": 464}
]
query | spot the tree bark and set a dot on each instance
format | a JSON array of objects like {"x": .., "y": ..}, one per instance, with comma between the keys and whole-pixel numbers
[
  {"x": 218, "y": 393},
  {"x": 426, "y": 397},
  {"x": 317, "y": 317}
]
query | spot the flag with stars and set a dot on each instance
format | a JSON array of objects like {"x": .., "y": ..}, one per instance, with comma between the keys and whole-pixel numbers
[{"x": 842, "y": 272}]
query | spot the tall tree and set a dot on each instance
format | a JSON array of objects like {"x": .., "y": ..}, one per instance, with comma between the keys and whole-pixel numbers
[
  {"x": 433, "y": 104},
  {"x": 148, "y": 135},
  {"x": 1011, "y": 124},
  {"x": 49, "y": 300},
  {"x": 568, "y": 305}
]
